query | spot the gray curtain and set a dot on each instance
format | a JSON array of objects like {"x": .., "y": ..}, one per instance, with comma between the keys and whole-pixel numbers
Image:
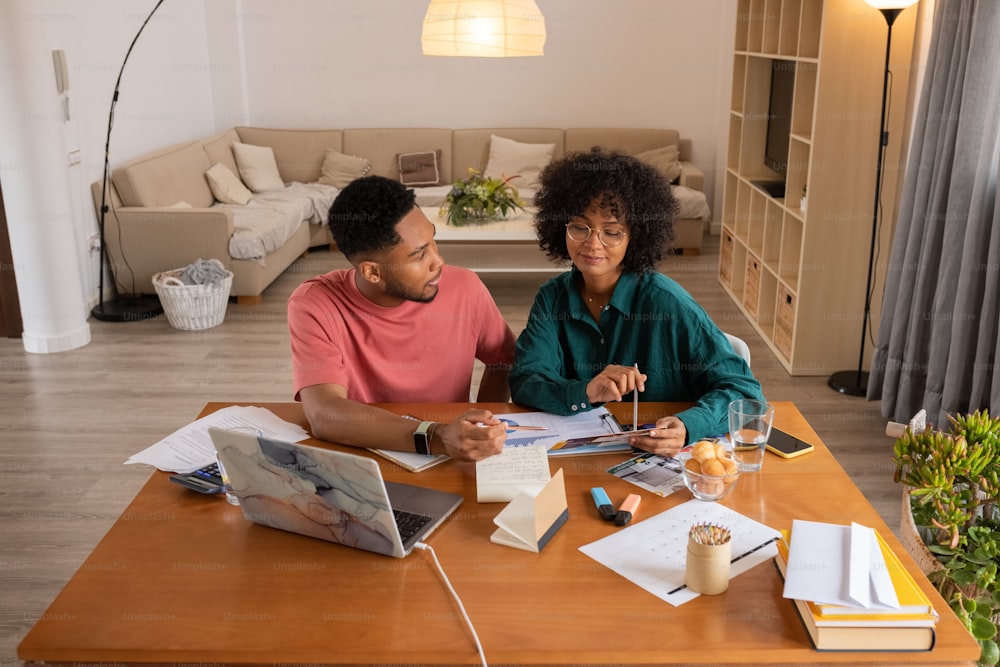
[{"x": 937, "y": 339}]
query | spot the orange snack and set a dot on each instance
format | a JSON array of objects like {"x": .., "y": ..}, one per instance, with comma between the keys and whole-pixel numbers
[
  {"x": 703, "y": 451},
  {"x": 714, "y": 467}
]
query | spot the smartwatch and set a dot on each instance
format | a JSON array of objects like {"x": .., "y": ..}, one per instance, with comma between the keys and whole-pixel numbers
[{"x": 422, "y": 437}]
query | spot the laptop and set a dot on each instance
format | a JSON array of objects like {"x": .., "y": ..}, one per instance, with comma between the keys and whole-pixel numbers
[{"x": 327, "y": 494}]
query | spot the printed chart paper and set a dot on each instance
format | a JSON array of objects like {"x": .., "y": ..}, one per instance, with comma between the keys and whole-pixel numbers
[{"x": 652, "y": 553}]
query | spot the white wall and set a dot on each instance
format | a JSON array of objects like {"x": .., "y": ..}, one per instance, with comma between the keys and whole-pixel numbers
[{"x": 203, "y": 65}]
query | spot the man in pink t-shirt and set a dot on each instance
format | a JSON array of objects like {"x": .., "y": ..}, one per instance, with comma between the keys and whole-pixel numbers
[{"x": 399, "y": 326}]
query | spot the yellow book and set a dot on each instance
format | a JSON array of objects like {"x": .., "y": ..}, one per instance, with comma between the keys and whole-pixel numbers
[{"x": 893, "y": 631}]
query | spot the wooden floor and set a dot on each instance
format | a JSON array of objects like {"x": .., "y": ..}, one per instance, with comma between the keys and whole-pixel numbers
[{"x": 69, "y": 420}]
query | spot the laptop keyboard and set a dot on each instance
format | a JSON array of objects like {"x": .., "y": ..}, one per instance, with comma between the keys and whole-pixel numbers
[{"x": 409, "y": 523}]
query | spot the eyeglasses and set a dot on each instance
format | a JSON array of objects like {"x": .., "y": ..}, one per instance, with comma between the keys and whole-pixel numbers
[{"x": 580, "y": 232}]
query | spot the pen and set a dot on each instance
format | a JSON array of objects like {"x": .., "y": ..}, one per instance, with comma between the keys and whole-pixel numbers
[
  {"x": 635, "y": 400},
  {"x": 603, "y": 503},
  {"x": 627, "y": 510},
  {"x": 511, "y": 427}
]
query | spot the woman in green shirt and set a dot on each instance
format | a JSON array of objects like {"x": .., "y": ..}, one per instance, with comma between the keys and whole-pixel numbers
[{"x": 613, "y": 324}]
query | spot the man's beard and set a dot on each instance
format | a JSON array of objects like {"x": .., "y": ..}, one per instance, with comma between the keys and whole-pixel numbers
[{"x": 398, "y": 290}]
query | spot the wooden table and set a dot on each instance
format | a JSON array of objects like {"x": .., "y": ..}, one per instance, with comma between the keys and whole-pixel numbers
[{"x": 184, "y": 578}]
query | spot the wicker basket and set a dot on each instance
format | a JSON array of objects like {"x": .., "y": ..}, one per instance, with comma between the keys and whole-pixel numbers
[
  {"x": 911, "y": 539},
  {"x": 192, "y": 307}
]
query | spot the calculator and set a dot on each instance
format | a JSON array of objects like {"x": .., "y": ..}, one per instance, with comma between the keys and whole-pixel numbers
[{"x": 203, "y": 480}]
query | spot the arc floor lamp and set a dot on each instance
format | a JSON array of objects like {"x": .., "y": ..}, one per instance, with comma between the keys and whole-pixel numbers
[
  {"x": 855, "y": 383},
  {"x": 125, "y": 307}
]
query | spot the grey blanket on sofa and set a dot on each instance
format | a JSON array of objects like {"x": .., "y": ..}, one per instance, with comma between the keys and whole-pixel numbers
[{"x": 270, "y": 218}]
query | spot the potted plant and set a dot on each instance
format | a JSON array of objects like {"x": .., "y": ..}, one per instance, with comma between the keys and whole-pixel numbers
[
  {"x": 952, "y": 492},
  {"x": 479, "y": 198}
]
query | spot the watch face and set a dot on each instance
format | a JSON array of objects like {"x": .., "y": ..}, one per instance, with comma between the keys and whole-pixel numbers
[{"x": 421, "y": 440}]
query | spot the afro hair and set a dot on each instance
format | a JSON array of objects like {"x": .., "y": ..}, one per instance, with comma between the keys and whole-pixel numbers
[{"x": 635, "y": 192}]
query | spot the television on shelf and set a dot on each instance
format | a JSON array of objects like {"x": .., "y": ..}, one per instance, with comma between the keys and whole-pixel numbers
[{"x": 779, "y": 125}]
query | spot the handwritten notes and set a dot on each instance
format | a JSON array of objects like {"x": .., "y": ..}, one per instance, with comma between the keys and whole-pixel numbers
[{"x": 517, "y": 469}]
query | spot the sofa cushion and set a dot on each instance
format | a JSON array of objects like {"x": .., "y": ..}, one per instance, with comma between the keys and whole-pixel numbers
[
  {"x": 299, "y": 153},
  {"x": 258, "y": 168},
  {"x": 666, "y": 159},
  {"x": 382, "y": 145},
  {"x": 510, "y": 158},
  {"x": 162, "y": 178},
  {"x": 339, "y": 169},
  {"x": 220, "y": 149},
  {"x": 419, "y": 168},
  {"x": 225, "y": 185}
]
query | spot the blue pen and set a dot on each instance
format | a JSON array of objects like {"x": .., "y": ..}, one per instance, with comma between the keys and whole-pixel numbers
[{"x": 603, "y": 503}]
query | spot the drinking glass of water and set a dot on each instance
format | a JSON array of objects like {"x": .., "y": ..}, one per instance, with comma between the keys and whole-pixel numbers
[{"x": 749, "y": 428}]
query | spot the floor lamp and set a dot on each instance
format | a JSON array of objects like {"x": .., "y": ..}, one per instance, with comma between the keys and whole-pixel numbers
[
  {"x": 126, "y": 307},
  {"x": 855, "y": 383}
]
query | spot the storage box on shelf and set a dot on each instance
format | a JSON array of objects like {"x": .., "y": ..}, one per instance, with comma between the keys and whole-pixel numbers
[{"x": 799, "y": 274}]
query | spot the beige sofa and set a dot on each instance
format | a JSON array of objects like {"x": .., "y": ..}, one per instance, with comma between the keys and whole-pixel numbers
[{"x": 163, "y": 214}]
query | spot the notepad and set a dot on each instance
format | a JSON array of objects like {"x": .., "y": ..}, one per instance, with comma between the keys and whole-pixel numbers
[{"x": 530, "y": 521}]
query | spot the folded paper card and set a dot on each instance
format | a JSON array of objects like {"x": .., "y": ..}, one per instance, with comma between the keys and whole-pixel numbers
[
  {"x": 839, "y": 565},
  {"x": 529, "y": 521}
]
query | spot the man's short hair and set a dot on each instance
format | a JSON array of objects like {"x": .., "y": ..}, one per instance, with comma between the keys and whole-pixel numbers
[{"x": 364, "y": 215}]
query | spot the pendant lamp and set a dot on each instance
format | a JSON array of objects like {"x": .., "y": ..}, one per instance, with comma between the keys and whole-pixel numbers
[{"x": 483, "y": 28}]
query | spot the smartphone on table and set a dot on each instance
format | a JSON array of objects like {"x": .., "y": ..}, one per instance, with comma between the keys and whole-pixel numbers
[{"x": 786, "y": 446}]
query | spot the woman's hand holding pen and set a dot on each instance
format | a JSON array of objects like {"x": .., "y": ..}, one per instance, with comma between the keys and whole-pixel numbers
[
  {"x": 667, "y": 440},
  {"x": 614, "y": 382},
  {"x": 474, "y": 436}
]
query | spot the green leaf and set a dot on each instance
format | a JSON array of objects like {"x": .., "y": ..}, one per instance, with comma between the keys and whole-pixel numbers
[
  {"x": 964, "y": 577},
  {"x": 990, "y": 654},
  {"x": 983, "y": 628}
]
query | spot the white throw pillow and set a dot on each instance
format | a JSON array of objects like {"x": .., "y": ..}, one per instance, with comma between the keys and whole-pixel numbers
[
  {"x": 257, "y": 166},
  {"x": 339, "y": 169},
  {"x": 226, "y": 187},
  {"x": 666, "y": 159},
  {"x": 513, "y": 158}
]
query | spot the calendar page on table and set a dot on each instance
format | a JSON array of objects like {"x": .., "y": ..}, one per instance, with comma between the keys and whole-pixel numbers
[{"x": 652, "y": 553}]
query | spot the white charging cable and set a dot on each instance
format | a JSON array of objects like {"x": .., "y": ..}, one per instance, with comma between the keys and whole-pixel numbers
[{"x": 461, "y": 607}]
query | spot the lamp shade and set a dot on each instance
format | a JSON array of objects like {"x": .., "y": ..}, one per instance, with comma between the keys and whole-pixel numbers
[
  {"x": 890, "y": 4},
  {"x": 483, "y": 28}
]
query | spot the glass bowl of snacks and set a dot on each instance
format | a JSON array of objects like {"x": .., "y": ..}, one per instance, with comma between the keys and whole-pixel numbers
[{"x": 710, "y": 472}]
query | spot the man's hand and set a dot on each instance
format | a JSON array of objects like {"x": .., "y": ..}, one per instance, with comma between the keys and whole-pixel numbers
[
  {"x": 668, "y": 438},
  {"x": 614, "y": 382},
  {"x": 474, "y": 436}
]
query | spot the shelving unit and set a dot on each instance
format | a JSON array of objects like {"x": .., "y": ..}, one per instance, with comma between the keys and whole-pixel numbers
[{"x": 799, "y": 275}]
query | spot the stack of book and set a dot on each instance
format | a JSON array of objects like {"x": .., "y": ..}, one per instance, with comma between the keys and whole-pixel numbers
[{"x": 851, "y": 627}]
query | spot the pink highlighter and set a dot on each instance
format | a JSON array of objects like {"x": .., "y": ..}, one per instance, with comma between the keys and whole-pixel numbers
[{"x": 627, "y": 510}]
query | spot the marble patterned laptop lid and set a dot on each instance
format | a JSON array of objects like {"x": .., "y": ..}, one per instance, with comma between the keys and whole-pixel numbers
[{"x": 321, "y": 493}]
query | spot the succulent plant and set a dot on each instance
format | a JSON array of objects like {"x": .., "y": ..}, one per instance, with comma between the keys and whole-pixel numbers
[{"x": 954, "y": 494}]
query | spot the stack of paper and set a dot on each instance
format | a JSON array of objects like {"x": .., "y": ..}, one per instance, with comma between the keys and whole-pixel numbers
[{"x": 851, "y": 590}]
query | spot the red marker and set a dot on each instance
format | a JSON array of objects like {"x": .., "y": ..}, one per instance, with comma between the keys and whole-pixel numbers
[{"x": 627, "y": 510}]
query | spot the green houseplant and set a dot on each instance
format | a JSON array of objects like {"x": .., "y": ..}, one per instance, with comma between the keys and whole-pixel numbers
[
  {"x": 479, "y": 198},
  {"x": 952, "y": 482}
]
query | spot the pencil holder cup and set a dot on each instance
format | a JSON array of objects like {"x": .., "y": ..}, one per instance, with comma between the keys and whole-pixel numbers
[{"x": 707, "y": 568}]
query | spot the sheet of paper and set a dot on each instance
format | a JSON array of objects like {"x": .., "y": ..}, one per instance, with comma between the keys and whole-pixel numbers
[
  {"x": 190, "y": 447},
  {"x": 652, "y": 553},
  {"x": 514, "y": 470},
  {"x": 841, "y": 565},
  {"x": 559, "y": 428},
  {"x": 659, "y": 474},
  {"x": 818, "y": 558}
]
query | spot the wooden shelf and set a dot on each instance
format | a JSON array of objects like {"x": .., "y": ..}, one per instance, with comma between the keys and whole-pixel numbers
[{"x": 799, "y": 274}]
